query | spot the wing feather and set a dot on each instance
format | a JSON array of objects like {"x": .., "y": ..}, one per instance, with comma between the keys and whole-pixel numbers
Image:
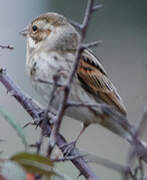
[{"x": 94, "y": 79}]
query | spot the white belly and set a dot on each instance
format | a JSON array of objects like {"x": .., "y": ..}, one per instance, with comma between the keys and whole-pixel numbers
[
  {"x": 45, "y": 70},
  {"x": 81, "y": 113}
]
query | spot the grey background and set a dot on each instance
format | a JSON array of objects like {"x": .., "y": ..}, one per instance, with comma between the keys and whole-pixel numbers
[{"x": 122, "y": 25}]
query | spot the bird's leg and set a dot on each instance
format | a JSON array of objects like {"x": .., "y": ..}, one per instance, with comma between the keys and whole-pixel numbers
[
  {"x": 67, "y": 148},
  {"x": 85, "y": 125}
]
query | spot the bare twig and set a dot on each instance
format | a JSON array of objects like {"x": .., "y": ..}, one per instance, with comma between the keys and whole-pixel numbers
[
  {"x": 78, "y": 25},
  {"x": 96, "y": 7},
  {"x": 6, "y": 47},
  {"x": 55, "y": 79},
  {"x": 135, "y": 148},
  {"x": 143, "y": 124},
  {"x": 74, "y": 23},
  {"x": 91, "y": 45}
]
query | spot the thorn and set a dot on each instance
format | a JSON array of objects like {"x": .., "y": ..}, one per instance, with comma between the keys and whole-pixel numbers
[
  {"x": 76, "y": 24},
  {"x": 33, "y": 145},
  {"x": 36, "y": 145},
  {"x": 38, "y": 123},
  {"x": 67, "y": 158},
  {"x": 11, "y": 93},
  {"x": 91, "y": 45},
  {"x": 96, "y": 7},
  {"x": 80, "y": 174},
  {"x": 29, "y": 123}
]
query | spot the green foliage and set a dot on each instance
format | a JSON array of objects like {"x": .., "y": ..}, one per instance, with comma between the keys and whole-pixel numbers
[
  {"x": 14, "y": 125},
  {"x": 35, "y": 164}
]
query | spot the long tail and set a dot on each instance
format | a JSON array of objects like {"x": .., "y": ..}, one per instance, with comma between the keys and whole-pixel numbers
[{"x": 120, "y": 125}]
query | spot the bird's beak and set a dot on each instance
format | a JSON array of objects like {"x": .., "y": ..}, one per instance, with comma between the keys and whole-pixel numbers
[{"x": 24, "y": 32}]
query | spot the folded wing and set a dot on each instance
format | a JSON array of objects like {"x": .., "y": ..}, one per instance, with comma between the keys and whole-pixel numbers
[{"x": 94, "y": 79}]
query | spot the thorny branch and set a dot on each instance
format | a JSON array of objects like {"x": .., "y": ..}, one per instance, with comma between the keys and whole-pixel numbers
[
  {"x": 35, "y": 111},
  {"x": 67, "y": 87},
  {"x": 56, "y": 77}
]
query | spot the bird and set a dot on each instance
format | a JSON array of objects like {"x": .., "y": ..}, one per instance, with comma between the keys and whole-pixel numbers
[{"x": 52, "y": 43}]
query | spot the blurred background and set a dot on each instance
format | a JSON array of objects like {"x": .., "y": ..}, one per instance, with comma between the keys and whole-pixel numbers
[{"x": 122, "y": 26}]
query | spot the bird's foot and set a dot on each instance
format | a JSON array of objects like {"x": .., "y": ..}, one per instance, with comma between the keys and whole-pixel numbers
[
  {"x": 68, "y": 148},
  {"x": 37, "y": 120}
]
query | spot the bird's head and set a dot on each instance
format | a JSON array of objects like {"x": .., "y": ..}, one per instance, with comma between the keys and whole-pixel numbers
[{"x": 53, "y": 31}]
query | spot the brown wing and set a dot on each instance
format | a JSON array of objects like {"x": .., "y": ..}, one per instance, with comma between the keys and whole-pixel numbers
[{"x": 94, "y": 79}]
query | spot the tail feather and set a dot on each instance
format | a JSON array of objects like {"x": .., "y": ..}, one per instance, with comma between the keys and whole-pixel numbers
[{"x": 120, "y": 125}]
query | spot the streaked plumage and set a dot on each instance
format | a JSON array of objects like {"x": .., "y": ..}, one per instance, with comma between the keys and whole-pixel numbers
[
  {"x": 51, "y": 49},
  {"x": 94, "y": 78}
]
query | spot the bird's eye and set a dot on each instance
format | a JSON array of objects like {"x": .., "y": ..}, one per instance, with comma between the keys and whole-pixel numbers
[{"x": 34, "y": 28}]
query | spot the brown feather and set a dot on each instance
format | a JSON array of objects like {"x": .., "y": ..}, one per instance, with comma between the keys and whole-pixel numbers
[{"x": 95, "y": 80}]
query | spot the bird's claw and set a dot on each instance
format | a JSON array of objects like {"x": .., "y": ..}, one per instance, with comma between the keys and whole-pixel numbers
[
  {"x": 68, "y": 148},
  {"x": 29, "y": 123}
]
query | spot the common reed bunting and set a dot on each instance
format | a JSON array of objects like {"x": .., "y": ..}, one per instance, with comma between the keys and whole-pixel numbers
[{"x": 51, "y": 46}]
